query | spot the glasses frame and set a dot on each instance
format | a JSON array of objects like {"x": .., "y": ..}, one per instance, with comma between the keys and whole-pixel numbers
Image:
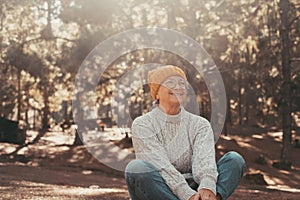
[{"x": 180, "y": 83}]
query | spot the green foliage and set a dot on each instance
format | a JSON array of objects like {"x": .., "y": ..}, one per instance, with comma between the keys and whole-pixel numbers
[
  {"x": 49, "y": 40},
  {"x": 7, "y": 99}
]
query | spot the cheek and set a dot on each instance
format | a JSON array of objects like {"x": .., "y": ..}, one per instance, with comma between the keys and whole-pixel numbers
[{"x": 162, "y": 92}]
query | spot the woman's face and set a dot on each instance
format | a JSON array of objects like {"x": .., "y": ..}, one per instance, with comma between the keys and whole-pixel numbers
[{"x": 172, "y": 91}]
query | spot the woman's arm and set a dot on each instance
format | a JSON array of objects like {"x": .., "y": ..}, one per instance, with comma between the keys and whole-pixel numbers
[
  {"x": 204, "y": 162},
  {"x": 148, "y": 148}
]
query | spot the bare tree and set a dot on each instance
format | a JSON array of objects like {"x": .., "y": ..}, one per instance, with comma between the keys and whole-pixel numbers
[{"x": 286, "y": 86}]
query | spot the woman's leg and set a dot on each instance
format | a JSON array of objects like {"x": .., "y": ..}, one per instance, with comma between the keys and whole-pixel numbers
[
  {"x": 145, "y": 183},
  {"x": 230, "y": 168}
]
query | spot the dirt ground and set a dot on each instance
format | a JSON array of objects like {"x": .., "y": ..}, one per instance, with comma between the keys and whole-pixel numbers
[{"x": 54, "y": 169}]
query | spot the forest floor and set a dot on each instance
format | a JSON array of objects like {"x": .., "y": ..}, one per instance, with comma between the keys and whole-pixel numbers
[{"x": 54, "y": 169}]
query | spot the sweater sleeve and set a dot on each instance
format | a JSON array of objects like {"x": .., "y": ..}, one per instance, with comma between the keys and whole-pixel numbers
[
  {"x": 203, "y": 162},
  {"x": 149, "y": 148}
]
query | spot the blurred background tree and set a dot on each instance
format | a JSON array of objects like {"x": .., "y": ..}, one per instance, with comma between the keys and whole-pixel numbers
[{"x": 43, "y": 43}]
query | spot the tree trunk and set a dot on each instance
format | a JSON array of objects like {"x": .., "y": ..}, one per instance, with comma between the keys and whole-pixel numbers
[
  {"x": 34, "y": 116},
  {"x": 45, "y": 120},
  {"x": 19, "y": 95},
  {"x": 77, "y": 140},
  {"x": 78, "y": 117},
  {"x": 240, "y": 106},
  {"x": 247, "y": 111},
  {"x": 228, "y": 120},
  {"x": 286, "y": 87},
  {"x": 170, "y": 13},
  {"x": 247, "y": 88}
]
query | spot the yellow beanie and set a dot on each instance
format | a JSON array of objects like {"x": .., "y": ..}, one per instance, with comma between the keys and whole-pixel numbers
[{"x": 158, "y": 75}]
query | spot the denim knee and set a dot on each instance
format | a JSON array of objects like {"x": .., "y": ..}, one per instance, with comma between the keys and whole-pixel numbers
[
  {"x": 237, "y": 160},
  {"x": 145, "y": 183},
  {"x": 231, "y": 168},
  {"x": 138, "y": 171},
  {"x": 139, "y": 166}
]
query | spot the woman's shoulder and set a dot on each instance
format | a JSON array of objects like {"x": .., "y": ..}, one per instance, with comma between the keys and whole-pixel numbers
[
  {"x": 143, "y": 119},
  {"x": 197, "y": 119}
]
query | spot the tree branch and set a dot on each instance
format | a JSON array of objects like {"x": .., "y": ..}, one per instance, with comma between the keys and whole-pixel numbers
[
  {"x": 66, "y": 39},
  {"x": 293, "y": 20},
  {"x": 295, "y": 59},
  {"x": 53, "y": 38}
]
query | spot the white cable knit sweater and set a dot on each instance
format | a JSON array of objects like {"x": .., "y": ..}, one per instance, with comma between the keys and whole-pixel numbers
[{"x": 178, "y": 145}]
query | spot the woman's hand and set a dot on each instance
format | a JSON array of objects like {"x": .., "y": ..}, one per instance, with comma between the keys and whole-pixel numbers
[
  {"x": 206, "y": 194},
  {"x": 203, "y": 194}
]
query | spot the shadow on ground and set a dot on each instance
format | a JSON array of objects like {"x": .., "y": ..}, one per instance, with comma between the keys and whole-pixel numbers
[{"x": 54, "y": 169}]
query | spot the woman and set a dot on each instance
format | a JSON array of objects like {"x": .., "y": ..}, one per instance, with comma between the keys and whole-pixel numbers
[{"x": 175, "y": 149}]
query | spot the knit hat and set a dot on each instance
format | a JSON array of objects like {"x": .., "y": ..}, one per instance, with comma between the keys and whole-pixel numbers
[{"x": 158, "y": 75}]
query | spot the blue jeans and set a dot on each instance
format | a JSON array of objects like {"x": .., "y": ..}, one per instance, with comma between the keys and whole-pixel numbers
[{"x": 151, "y": 186}]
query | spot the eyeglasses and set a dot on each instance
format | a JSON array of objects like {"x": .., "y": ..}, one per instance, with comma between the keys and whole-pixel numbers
[{"x": 172, "y": 83}]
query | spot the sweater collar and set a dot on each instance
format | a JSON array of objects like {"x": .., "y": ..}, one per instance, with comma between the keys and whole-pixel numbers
[{"x": 163, "y": 117}]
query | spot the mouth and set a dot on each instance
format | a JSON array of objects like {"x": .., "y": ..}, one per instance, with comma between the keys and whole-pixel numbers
[{"x": 177, "y": 94}]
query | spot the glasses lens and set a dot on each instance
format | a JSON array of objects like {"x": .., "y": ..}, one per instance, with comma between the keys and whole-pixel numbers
[
  {"x": 171, "y": 83},
  {"x": 181, "y": 83}
]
